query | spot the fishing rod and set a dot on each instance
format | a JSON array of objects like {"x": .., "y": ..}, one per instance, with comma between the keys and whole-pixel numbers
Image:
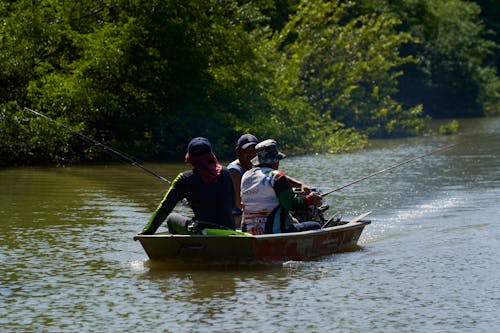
[
  {"x": 106, "y": 148},
  {"x": 395, "y": 166}
]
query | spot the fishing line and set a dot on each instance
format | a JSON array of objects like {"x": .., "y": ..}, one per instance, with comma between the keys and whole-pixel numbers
[
  {"x": 104, "y": 147},
  {"x": 395, "y": 166}
]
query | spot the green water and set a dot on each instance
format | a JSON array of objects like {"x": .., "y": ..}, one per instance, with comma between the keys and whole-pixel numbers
[{"x": 429, "y": 261}]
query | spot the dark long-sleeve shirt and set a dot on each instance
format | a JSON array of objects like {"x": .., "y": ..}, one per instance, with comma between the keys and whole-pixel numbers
[{"x": 210, "y": 202}]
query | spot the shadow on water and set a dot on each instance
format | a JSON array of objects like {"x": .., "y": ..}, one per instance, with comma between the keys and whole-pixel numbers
[
  {"x": 197, "y": 280},
  {"x": 199, "y": 265},
  {"x": 202, "y": 282}
]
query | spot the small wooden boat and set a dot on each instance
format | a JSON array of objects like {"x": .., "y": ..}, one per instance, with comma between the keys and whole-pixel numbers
[{"x": 262, "y": 248}]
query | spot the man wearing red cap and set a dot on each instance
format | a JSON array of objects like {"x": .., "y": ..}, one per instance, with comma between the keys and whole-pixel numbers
[{"x": 207, "y": 187}]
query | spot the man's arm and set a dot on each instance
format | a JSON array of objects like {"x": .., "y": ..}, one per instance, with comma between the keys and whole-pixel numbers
[
  {"x": 236, "y": 178},
  {"x": 171, "y": 198},
  {"x": 297, "y": 184},
  {"x": 288, "y": 199}
]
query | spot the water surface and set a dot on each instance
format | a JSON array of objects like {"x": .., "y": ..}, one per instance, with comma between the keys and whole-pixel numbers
[{"x": 429, "y": 261}]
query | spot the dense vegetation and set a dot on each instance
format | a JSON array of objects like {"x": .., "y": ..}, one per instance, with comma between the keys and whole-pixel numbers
[{"x": 145, "y": 76}]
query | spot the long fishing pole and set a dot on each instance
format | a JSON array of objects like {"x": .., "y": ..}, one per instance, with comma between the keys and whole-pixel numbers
[
  {"x": 106, "y": 148},
  {"x": 395, "y": 166}
]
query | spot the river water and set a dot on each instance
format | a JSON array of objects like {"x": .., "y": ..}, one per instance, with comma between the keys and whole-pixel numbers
[{"x": 429, "y": 262}]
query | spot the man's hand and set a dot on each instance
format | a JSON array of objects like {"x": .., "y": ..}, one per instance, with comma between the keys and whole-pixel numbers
[{"x": 314, "y": 199}]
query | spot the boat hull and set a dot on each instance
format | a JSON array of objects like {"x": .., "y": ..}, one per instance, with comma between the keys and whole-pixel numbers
[{"x": 274, "y": 247}]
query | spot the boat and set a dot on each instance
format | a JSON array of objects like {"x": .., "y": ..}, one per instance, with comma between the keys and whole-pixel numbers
[{"x": 242, "y": 247}]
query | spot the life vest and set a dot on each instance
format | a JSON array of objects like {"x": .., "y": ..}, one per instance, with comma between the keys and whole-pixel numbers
[{"x": 259, "y": 199}]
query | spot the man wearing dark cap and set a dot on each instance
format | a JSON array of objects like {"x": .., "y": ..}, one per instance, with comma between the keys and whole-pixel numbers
[
  {"x": 267, "y": 195},
  {"x": 208, "y": 189},
  {"x": 245, "y": 151}
]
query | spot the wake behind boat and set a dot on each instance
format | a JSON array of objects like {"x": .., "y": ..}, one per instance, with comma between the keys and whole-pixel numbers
[{"x": 248, "y": 248}]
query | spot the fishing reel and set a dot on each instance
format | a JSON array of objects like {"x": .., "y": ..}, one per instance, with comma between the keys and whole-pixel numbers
[{"x": 311, "y": 213}]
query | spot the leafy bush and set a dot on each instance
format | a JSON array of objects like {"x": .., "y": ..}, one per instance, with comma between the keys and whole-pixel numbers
[
  {"x": 449, "y": 128},
  {"x": 33, "y": 140}
]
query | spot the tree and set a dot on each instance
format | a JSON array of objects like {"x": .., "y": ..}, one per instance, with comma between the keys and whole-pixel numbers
[
  {"x": 452, "y": 77},
  {"x": 347, "y": 67}
]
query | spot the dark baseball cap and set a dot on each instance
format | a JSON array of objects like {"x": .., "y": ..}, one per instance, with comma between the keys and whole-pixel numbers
[
  {"x": 246, "y": 140},
  {"x": 199, "y": 145}
]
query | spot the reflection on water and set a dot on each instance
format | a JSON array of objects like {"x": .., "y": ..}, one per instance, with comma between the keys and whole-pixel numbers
[{"x": 428, "y": 262}]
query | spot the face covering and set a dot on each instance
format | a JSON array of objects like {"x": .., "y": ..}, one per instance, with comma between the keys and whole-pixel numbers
[{"x": 207, "y": 165}]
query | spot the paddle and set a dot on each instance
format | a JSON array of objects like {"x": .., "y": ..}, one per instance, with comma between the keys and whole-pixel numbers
[
  {"x": 359, "y": 217},
  {"x": 354, "y": 220}
]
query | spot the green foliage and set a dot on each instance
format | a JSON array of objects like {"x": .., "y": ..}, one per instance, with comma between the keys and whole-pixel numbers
[
  {"x": 153, "y": 74},
  {"x": 347, "y": 68},
  {"x": 292, "y": 119},
  {"x": 145, "y": 76},
  {"x": 449, "y": 128},
  {"x": 490, "y": 15},
  {"x": 28, "y": 140},
  {"x": 454, "y": 75}
]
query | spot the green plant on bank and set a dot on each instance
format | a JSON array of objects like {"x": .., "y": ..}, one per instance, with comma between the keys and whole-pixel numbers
[
  {"x": 449, "y": 128},
  {"x": 28, "y": 140}
]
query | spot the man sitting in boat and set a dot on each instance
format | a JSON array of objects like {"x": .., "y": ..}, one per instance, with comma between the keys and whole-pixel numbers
[
  {"x": 267, "y": 195},
  {"x": 207, "y": 187},
  {"x": 245, "y": 151}
]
